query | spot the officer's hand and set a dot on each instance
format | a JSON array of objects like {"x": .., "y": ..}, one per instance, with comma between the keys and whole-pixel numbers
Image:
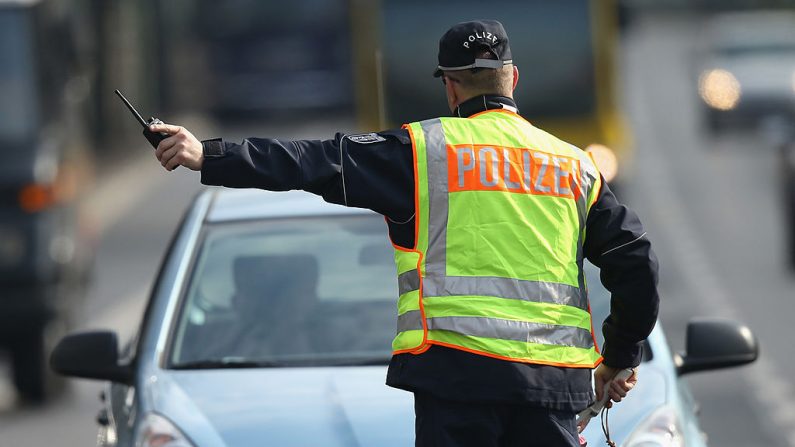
[
  {"x": 180, "y": 148},
  {"x": 618, "y": 389}
]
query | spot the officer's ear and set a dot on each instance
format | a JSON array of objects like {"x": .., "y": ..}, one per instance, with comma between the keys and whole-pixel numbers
[
  {"x": 515, "y": 77},
  {"x": 452, "y": 94}
]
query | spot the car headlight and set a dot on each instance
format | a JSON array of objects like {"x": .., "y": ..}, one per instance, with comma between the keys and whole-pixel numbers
[
  {"x": 660, "y": 429},
  {"x": 720, "y": 89},
  {"x": 157, "y": 431}
]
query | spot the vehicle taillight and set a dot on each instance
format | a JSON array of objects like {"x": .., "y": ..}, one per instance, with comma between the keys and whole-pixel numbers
[{"x": 36, "y": 197}]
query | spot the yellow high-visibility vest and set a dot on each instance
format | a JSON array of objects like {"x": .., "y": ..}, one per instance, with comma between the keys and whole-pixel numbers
[{"x": 496, "y": 268}]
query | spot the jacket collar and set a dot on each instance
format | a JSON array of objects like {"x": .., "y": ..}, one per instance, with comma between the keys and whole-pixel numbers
[{"x": 482, "y": 103}]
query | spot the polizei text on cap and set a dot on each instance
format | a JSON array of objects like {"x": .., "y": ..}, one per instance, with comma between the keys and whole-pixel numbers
[{"x": 485, "y": 35}]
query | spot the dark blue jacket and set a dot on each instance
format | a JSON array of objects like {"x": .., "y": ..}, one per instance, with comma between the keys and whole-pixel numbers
[{"x": 376, "y": 171}]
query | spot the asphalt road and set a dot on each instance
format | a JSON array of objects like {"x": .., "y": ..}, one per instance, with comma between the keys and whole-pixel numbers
[
  {"x": 712, "y": 209},
  {"x": 709, "y": 203}
]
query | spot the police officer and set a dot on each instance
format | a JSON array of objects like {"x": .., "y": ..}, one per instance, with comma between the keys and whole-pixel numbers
[{"x": 491, "y": 219}]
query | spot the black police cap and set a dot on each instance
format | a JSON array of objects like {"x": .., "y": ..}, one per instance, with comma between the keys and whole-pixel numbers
[{"x": 460, "y": 45}]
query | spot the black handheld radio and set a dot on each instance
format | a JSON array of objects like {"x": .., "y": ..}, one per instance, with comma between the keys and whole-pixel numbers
[{"x": 154, "y": 137}]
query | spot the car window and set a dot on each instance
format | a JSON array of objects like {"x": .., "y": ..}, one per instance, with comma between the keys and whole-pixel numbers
[
  {"x": 17, "y": 75},
  {"x": 295, "y": 291},
  {"x": 304, "y": 291}
]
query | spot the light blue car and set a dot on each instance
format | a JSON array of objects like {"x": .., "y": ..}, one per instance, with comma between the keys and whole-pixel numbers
[{"x": 270, "y": 324}]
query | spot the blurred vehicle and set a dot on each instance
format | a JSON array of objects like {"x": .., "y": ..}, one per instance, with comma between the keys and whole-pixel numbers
[
  {"x": 780, "y": 134},
  {"x": 747, "y": 69},
  {"x": 44, "y": 257},
  {"x": 270, "y": 323},
  {"x": 276, "y": 57},
  {"x": 787, "y": 168},
  {"x": 565, "y": 52}
]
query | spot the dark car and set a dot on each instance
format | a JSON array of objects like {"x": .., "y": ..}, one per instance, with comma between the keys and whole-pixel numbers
[
  {"x": 270, "y": 323},
  {"x": 43, "y": 165},
  {"x": 747, "y": 69}
]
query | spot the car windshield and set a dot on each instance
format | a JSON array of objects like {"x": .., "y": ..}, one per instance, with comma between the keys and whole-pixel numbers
[
  {"x": 297, "y": 292},
  {"x": 303, "y": 291},
  {"x": 17, "y": 79}
]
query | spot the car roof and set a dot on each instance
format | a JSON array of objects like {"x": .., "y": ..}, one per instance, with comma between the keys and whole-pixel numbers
[{"x": 246, "y": 204}]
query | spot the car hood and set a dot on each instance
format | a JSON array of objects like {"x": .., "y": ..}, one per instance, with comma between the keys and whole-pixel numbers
[
  {"x": 285, "y": 407},
  {"x": 338, "y": 407}
]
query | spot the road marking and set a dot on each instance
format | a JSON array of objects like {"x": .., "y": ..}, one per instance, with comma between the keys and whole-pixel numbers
[{"x": 775, "y": 396}]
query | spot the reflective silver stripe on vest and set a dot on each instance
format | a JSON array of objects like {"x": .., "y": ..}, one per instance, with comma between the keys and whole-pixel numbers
[
  {"x": 510, "y": 288},
  {"x": 408, "y": 281},
  {"x": 409, "y": 321},
  {"x": 436, "y": 154},
  {"x": 586, "y": 182},
  {"x": 535, "y": 291},
  {"x": 582, "y": 214},
  {"x": 496, "y": 328}
]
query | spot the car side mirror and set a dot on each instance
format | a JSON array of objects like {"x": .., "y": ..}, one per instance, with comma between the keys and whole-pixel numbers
[
  {"x": 90, "y": 355},
  {"x": 714, "y": 343}
]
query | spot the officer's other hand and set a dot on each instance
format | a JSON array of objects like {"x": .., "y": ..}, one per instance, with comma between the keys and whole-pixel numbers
[
  {"x": 181, "y": 148},
  {"x": 618, "y": 389}
]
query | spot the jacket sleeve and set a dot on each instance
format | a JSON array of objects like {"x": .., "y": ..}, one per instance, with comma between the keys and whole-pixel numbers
[
  {"x": 374, "y": 171},
  {"x": 616, "y": 243}
]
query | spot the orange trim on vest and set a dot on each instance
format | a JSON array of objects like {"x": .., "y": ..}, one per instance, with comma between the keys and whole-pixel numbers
[
  {"x": 418, "y": 351},
  {"x": 511, "y": 359}
]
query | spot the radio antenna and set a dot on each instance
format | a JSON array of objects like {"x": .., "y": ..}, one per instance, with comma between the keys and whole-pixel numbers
[{"x": 132, "y": 109}]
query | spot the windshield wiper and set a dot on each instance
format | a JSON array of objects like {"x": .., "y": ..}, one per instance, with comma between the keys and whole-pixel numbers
[{"x": 227, "y": 363}]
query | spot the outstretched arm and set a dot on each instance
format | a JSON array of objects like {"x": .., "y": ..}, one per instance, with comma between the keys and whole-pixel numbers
[{"x": 373, "y": 171}]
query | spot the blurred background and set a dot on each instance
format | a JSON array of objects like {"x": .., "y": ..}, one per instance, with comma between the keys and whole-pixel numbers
[{"x": 690, "y": 106}]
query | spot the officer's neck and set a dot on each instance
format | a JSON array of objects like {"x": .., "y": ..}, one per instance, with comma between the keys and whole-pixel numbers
[{"x": 482, "y": 103}]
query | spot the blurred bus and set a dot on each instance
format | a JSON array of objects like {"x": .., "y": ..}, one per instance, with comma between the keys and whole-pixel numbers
[{"x": 565, "y": 51}]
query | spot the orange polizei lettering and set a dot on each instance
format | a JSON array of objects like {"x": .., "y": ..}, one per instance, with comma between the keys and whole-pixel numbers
[{"x": 517, "y": 170}]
